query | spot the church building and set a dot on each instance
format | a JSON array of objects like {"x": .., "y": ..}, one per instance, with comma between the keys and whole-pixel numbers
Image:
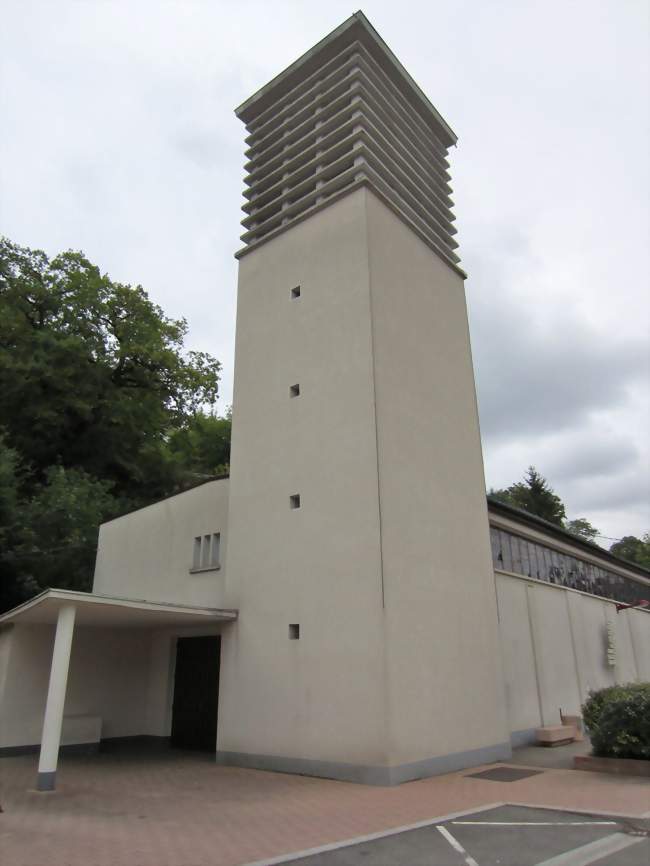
[{"x": 347, "y": 603}]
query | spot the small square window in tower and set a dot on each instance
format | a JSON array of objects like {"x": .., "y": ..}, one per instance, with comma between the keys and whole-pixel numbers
[
  {"x": 294, "y": 631},
  {"x": 294, "y": 500},
  {"x": 294, "y": 390},
  {"x": 295, "y": 293}
]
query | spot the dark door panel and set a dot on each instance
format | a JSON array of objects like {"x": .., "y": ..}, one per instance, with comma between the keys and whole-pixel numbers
[{"x": 196, "y": 693}]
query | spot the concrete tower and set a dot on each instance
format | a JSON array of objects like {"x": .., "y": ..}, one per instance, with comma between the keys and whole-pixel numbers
[{"x": 359, "y": 557}]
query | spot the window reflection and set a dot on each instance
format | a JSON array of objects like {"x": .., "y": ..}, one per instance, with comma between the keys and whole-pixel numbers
[{"x": 530, "y": 559}]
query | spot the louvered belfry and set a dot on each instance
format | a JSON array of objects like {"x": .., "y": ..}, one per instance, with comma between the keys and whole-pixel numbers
[{"x": 346, "y": 114}]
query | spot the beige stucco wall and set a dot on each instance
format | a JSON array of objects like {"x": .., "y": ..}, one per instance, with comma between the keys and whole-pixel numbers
[
  {"x": 444, "y": 674},
  {"x": 346, "y": 692},
  {"x": 639, "y": 625},
  {"x": 123, "y": 675},
  {"x": 148, "y": 554},
  {"x": 320, "y": 697},
  {"x": 108, "y": 677},
  {"x": 522, "y": 699},
  {"x": 554, "y": 645}
]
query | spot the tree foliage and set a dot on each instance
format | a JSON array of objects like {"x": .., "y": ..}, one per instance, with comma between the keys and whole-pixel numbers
[
  {"x": 92, "y": 373},
  {"x": 581, "y": 528},
  {"x": 101, "y": 411},
  {"x": 633, "y": 549},
  {"x": 202, "y": 445},
  {"x": 618, "y": 719},
  {"x": 536, "y": 496}
]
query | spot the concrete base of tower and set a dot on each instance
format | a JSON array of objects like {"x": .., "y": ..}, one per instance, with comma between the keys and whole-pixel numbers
[{"x": 368, "y": 775}]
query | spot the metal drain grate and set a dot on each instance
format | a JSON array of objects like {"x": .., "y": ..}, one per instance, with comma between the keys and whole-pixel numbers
[{"x": 504, "y": 774}]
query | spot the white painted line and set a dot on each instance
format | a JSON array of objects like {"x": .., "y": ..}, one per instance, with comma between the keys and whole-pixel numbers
[
  {"x": 455, "y": 844},
  {"x": 587, "y": 854},
  {"x": 536, "y": 823},
  {"x": 550, "y": 807},
  {"x": 358, "y": 840}
]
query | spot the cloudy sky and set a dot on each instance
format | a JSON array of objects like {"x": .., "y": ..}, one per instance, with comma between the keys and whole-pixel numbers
[{"x": 119, "y": 138}]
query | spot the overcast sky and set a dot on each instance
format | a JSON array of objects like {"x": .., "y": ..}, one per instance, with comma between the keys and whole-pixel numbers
[{"x": 118, "y": 138}]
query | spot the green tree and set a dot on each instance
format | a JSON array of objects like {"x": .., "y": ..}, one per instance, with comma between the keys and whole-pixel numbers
[
  {"x": 92, "y": 373},
  {"x": 581, "y": 528},
  {"x": 9, "y": 469},
  {"x": 633, "y": 549},
  {"x": 202, "y": 445},
  {"x": 534, "y": 495},
  {"x": 95, "y": 383},
  {"x": 60, "y": 524}
]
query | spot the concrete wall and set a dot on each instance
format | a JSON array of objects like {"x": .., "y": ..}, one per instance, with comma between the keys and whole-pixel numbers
[
  {"x": 383, "y": 439},
  {"x": 148, "y": 554},
  {"x": 320, "y": 698},
  {"x": 554, "y": 645},
  {"x": 444, "y": 674},
  {"x": 124, "y": 676},
  {"x": 108, "y": 677}
]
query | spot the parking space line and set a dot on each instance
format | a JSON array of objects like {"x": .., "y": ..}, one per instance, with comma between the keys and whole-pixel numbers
[
  {"x": 593, "y": 851},
  {"x": 536, "y": 823},
  {"x": 371, "y": 837},
  {"x": 457, "y": 846},
  {"x": 550, "y": 807}
]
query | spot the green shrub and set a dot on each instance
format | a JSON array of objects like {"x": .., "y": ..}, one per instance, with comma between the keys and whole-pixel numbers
[
  {"x": 595, "y": 703},
  {"x": 618, "y": 719}
]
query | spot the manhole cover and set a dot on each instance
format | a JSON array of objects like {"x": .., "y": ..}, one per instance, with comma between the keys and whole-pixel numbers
[{"x": 504, "y": 774}]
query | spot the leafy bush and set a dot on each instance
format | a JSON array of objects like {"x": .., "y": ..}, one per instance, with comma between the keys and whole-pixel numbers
[
  {"x": 595, "y": 704},
  {"x": 618, "y": 719}
]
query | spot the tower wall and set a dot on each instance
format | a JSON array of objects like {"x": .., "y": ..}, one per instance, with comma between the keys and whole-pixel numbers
[
  {"x": 386, "y": 565},
  {"x": 320, "y": 698},
  {"x": 443, "y": 676}
]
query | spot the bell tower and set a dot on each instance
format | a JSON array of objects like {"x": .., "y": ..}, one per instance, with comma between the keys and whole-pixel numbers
[{"x": 358, "y": 553}]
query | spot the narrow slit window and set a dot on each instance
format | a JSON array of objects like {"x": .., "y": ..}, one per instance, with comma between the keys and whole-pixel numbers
[
  {"x": 196, "y": 554},
  {"x": 295, "y": 293},
  {"x": 294, "y": 631},
  {"x": 294, "y": 390},
  {"x": 205, "y": 552},
  {"x": 294, "y": 500},
  {"x": 215, "y": 549}
]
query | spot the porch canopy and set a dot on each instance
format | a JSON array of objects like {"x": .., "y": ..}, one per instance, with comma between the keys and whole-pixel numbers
[{"x": 65, "y": 608}]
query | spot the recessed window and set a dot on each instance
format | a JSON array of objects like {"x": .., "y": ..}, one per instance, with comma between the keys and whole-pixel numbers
[
  {"x": 294, "y": 390},
  {"x": 294, "y": 500},
  {"x": 206, "y": 552},
  {"x": 294, "y": 631},
  {"x": 295, "y": 293},
  {"x": 196, "y": 558},
  {"x": 215, "y": 549}
]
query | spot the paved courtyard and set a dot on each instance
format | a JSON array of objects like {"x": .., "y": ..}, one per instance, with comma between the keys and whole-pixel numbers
[{"x": 180, "y": 809}]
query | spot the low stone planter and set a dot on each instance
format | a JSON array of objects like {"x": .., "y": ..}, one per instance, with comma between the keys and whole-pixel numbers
[{"x": 624, "y": 766}]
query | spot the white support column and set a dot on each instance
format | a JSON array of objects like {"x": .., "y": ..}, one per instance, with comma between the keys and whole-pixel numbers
[{"x": 53, "y": 720}]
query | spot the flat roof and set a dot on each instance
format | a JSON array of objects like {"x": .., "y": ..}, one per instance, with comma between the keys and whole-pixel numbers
[
  {"x": 357, "y": 27},
  {"x": 113, "y": 611}
]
